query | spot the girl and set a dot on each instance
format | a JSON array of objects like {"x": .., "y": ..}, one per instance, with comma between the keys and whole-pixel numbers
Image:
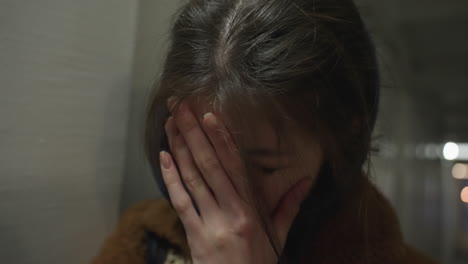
[{"x": 268, "y": 107}]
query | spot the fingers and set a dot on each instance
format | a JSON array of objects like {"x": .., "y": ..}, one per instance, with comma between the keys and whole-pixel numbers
[
  {"x": 179, "y": 197},
  {"x": 203, "y": 154},
  {"x": 227, "y": 152},
  {"x": 289, "y": 206},
  {"x": 189, "y": 171}
]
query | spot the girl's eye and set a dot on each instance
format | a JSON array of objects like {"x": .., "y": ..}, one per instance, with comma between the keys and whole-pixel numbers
[{"x": 265, "y": 170}]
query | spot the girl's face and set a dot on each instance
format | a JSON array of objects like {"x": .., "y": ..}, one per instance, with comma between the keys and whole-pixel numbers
[{"x": 278, "y": 171}]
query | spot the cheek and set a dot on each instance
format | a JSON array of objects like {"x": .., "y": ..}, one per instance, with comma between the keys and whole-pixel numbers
[{"x": 276, "y": 186}]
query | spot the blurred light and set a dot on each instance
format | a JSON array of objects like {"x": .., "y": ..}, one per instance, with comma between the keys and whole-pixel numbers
[
  {"x": 463, "y": 153},
  {"x": 464, "y": 195},
  {"x": 451, "y": 151},
  {"x": 460, "y": 171},
  {"x": 419, "y": 151},
  {"x": 430, "y": 151}
]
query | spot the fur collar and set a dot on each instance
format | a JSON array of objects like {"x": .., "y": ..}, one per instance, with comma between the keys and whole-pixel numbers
[{"x": 364, "y": 230}]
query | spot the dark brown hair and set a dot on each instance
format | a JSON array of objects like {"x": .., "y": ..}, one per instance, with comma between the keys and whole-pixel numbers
[{"x": 310, "y": 61}]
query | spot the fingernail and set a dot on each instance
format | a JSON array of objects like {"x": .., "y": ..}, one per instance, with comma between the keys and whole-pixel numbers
[
  {"x": 169, "y": 119},
  {"x": 213, "y": 118},
  {"x": 207, "y": 115},
  {"x": 170, "y": 102},
  {"x": 165, "y": 161}
]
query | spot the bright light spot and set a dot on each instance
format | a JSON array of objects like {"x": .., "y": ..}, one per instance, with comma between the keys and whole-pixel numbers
[
  {"x": 460, "y": 171},
  {"x": 464, "y": 195},
  {"x": 451, "y": 151}
]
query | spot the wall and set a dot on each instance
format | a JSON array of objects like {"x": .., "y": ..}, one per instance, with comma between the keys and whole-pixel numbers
[
  {"x": 65, "y": 76},
  {"x": 154, "y": 20},
  {"x": 422, "y": 48}
]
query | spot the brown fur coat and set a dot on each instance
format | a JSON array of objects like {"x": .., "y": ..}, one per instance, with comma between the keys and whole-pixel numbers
[{"x": 368, "y": 218}]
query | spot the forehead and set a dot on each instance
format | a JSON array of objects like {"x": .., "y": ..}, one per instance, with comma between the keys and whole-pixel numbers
[{"x": 261, "y": 132}]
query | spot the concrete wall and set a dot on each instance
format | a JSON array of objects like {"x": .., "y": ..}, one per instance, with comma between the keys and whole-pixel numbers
[
  {"x": 65, "y": 79},
  {"x": 154, "y": 20}
]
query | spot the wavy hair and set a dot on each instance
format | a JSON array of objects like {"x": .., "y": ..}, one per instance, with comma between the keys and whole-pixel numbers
[{"x": 311, "y": 61}]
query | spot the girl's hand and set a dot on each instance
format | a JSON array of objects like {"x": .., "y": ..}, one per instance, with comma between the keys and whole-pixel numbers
[{"x": 227, "y": 230}]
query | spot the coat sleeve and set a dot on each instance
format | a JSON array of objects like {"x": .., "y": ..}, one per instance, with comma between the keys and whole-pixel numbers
[{"x": 148, "y": 232}]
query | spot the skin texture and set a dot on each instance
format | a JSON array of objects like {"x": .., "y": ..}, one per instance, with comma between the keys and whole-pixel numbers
[
  {"x": 289, "y": 169},
  {"x": 227, "y": 228}
]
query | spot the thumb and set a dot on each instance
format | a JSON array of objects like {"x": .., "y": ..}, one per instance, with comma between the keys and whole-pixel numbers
[{"x": 289, "y": 206}]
